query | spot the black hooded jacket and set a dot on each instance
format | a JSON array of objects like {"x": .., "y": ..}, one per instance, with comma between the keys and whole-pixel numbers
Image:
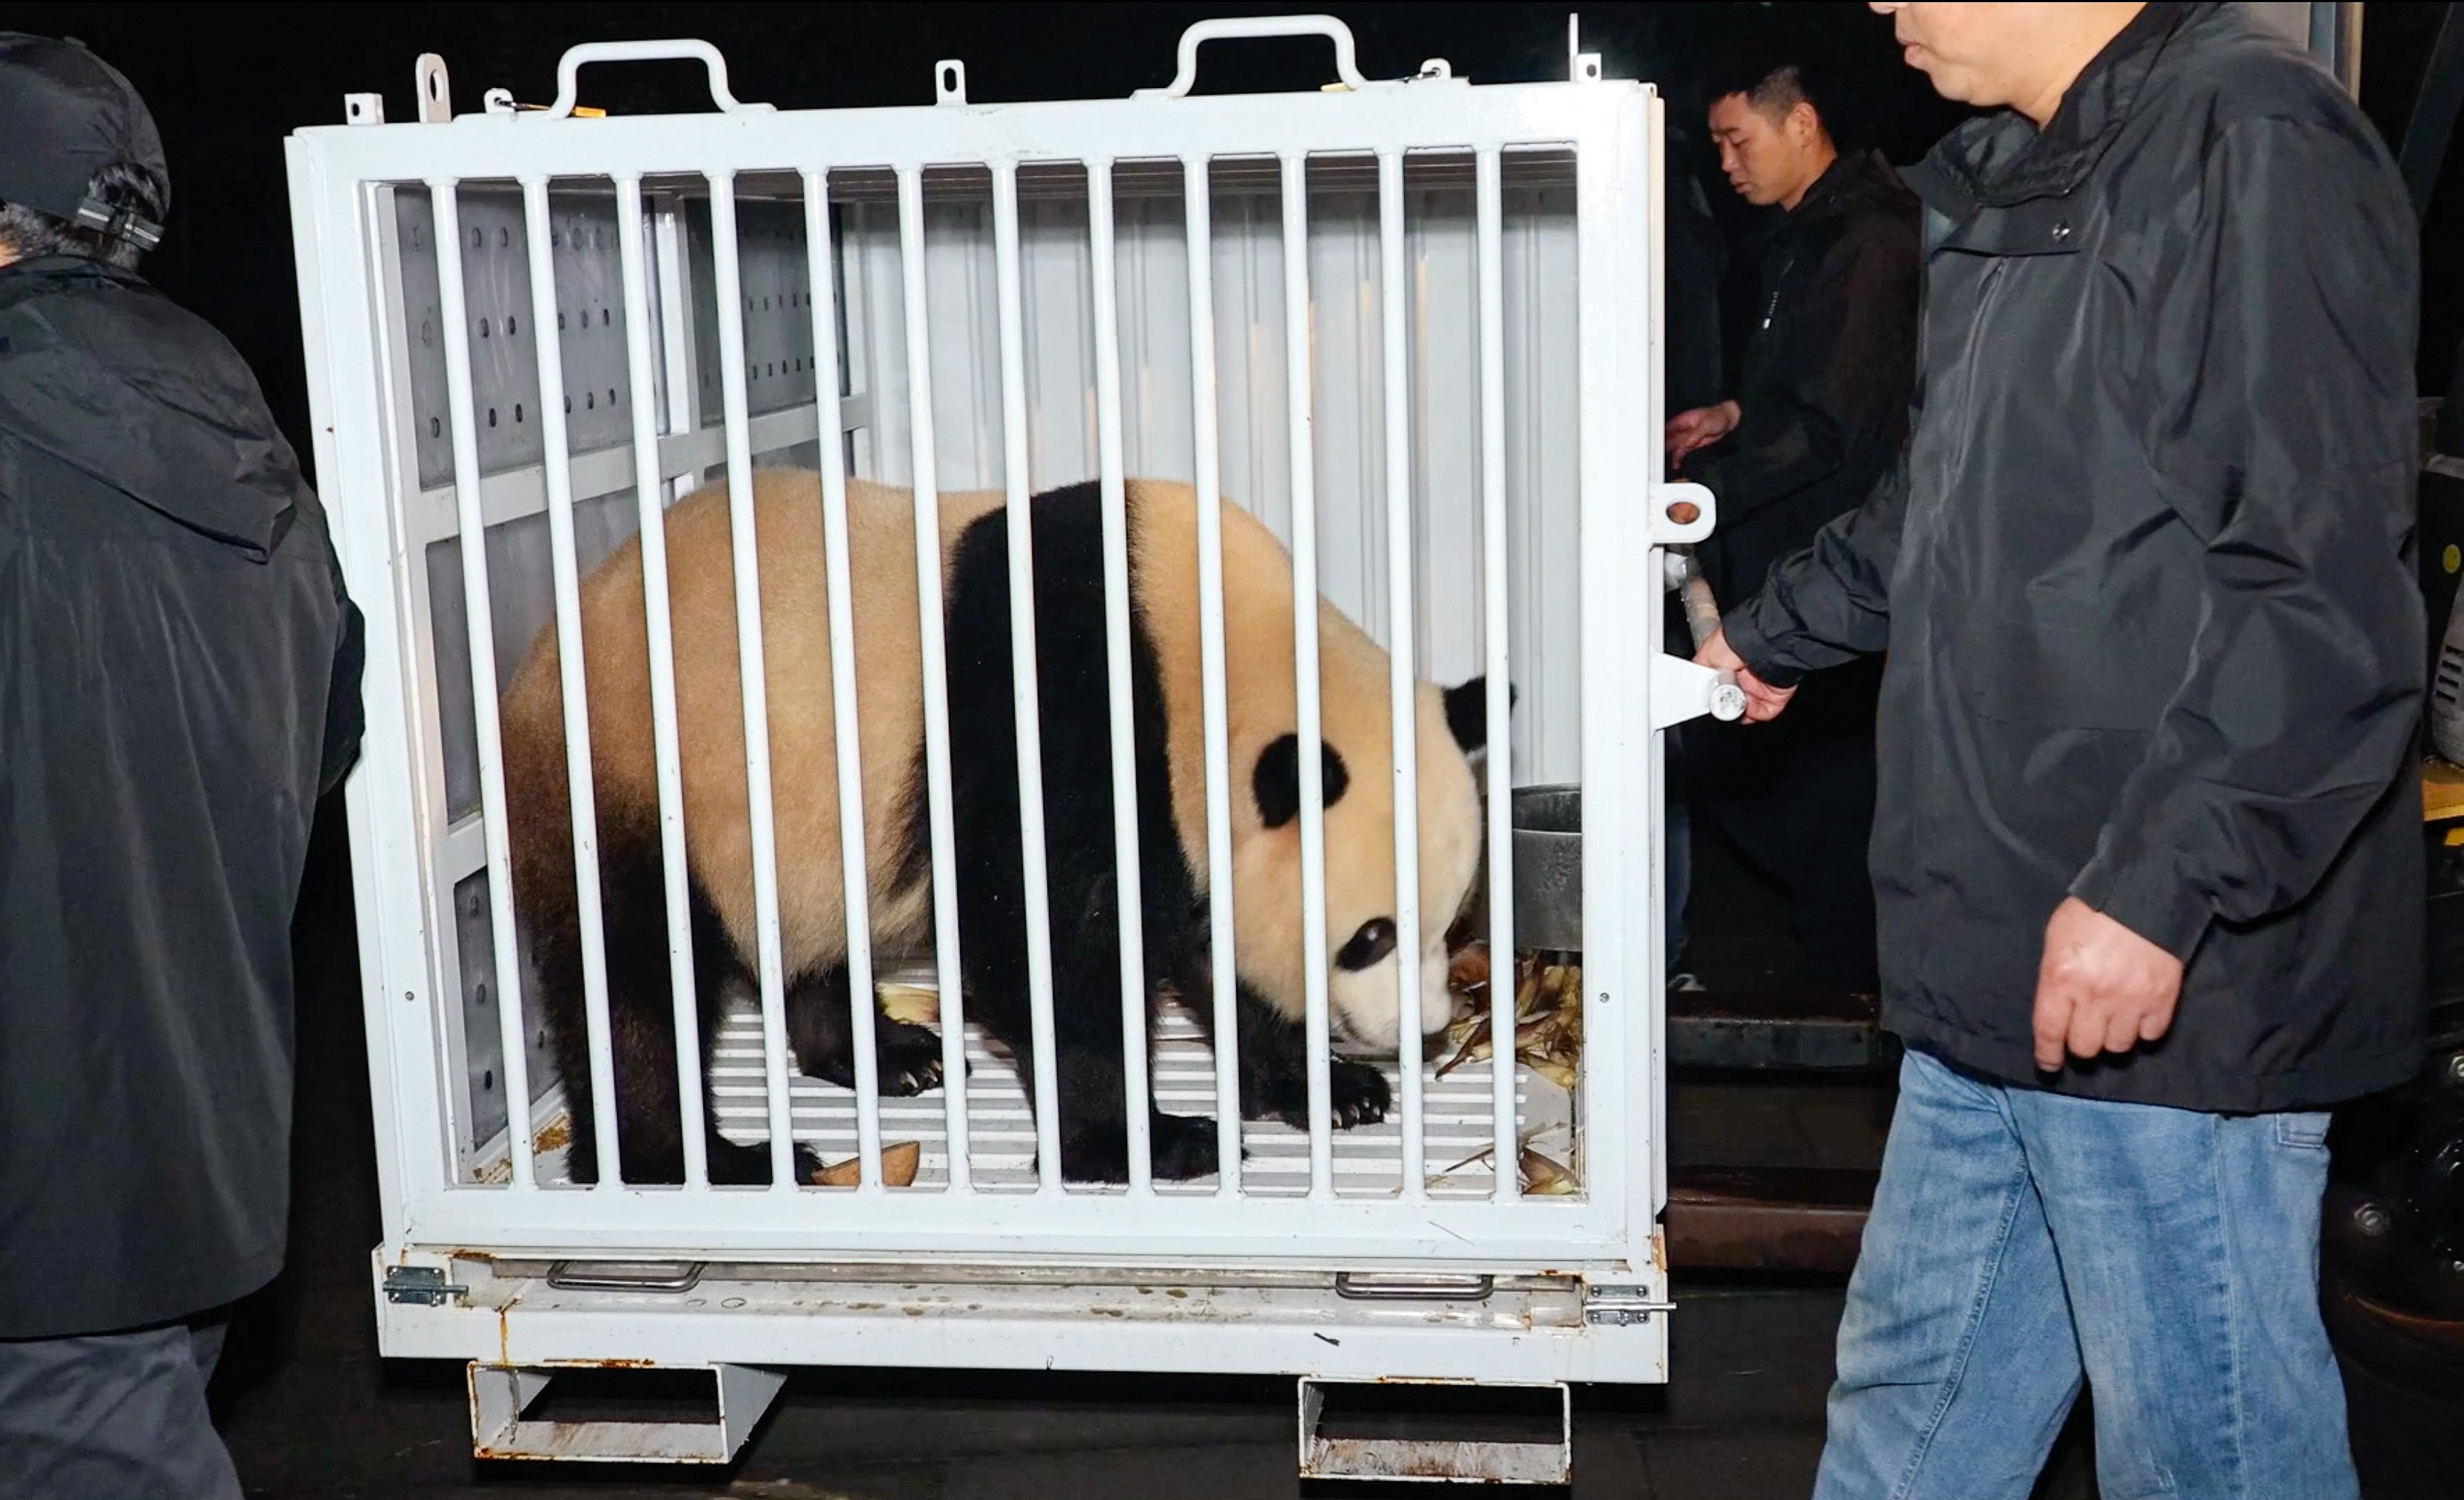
[
  {"x": 2144, "y": 574},
  {"x": 179, "y": 683},
  {"x": 1822, "y": 391}
]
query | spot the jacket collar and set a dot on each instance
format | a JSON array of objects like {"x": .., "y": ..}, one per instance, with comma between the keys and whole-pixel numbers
[
  {"x": 2002, "y": 161},
  {"x": 40, "y": 274},
  {"x": 1849, "y": 175}
]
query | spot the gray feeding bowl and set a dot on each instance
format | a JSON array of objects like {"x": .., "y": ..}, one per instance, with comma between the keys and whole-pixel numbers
[
  {"x": 1547, "y": 854},
  {"x": 1548, "y": 867}
]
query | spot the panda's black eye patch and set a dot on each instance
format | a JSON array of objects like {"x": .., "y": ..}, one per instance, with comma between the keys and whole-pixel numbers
[
  {"x": 1276, "y": 779},
  {"x": 1374, "y": 940}
]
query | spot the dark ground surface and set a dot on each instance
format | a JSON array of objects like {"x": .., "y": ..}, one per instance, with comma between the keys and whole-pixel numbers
[{"x": 311, "y": 1411}]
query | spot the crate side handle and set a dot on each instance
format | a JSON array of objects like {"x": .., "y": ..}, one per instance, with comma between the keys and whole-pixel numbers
[
  {"x": 1255, "y": 26},
  {"x": 568, "y": 69}
]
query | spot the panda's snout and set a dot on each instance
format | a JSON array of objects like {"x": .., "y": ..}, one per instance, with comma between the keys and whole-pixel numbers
[{"x": 1365, "y": 1012}]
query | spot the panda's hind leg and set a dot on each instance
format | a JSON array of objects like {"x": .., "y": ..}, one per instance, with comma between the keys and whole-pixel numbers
[
  {"x": 641, "y": 1011},
  {"x": 717, "y": 968}
]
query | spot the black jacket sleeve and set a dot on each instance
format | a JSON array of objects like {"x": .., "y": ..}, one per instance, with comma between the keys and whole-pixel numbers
[
  {"x": 1830, "y": 601},
  {"x": 1852, "y": 342},
  {"x": 345, "y": 710},
  {"x": 2282, "y": 348}
]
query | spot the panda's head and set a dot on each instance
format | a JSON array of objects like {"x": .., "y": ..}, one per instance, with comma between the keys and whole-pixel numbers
[{"x": 1356, "y": 770}]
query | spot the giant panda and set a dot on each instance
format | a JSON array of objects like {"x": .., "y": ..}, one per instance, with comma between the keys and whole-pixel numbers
[{"x": 1073, "y": 674}]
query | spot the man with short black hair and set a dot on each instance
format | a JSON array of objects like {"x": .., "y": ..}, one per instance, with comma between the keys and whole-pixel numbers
[
  {"x": 2148, "y": 846},
  {"x": 179, "y": 685},
  {"x": 1820, "y": 409}
]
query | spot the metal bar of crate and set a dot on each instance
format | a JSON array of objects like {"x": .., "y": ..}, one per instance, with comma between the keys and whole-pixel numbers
[
  {"x": 936, "y": 677},
  {"x": 676, "y": 355},
  {"x": 1298, "y": 390},
  {"x": 751, "y": 670},
  {"x": 1128, "y": 901},
  {"x": 1402, "y": 634},
  {"x": 1027, "y": 707},
  {"x": 822, "y": 299},
  {"x": 564, "y": 572},
  {"x": 1215, "y": 721},
  {"x": 648, "y": 488},
  {"x": 455, "y": 314},
  {"x": 1500, "y": 778}
]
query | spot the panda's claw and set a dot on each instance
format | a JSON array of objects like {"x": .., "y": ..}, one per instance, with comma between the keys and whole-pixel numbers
[
  {"x": 1356, "y": 1094},
  {"x": 908, "y": 1058}
]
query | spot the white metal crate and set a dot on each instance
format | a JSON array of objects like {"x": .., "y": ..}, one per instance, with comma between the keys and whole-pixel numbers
[{"x": 1482, "y": 336}]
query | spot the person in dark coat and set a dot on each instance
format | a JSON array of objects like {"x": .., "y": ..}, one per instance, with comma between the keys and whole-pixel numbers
[
  {"x": 1691, "y": 378},
  {"x": 179, "y": 685},
  {"x": 2146, "y": 851},
  {"x": 1820, "y": 411}
]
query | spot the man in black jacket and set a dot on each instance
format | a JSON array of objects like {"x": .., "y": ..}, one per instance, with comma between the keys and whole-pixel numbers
[
  {"x": 179, "y": 685},
  {"x": 1820, "y": 408},
  {"x": 2146, "y": 851}
]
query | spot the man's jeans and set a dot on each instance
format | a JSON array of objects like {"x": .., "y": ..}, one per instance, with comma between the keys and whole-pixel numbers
[
  {"x": 2019, "y": 1238},
  {"x": 118, "y": 1415}
]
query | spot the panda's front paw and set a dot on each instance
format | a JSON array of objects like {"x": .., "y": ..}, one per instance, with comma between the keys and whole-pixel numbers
[
  {"x": 1357, "y": 1094},
  {"x": 1179, "y": 1148},
  {"x": 909, "y": 1058}
]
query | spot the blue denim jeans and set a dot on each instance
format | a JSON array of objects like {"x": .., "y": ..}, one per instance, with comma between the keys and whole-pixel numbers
[
  {"x": 2022, "y": 1240},
  {"x": 121, "y": 1415}
]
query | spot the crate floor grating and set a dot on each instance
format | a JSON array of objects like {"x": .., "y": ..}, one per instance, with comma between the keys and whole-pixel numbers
[{"x": 1456, "y": 1135}]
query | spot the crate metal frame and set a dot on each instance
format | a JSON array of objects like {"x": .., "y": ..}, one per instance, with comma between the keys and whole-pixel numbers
[{"x": 1595, "y": 1304}]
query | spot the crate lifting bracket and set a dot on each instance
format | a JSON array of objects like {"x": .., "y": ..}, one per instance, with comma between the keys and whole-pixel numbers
[
  {"x": 1413, "y": 1287},
  {"x": 624, "y": 1275}
]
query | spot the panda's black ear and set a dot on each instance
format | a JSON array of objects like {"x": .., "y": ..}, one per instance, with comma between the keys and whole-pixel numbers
[
  {"x": 1276, "y": 781},
  {"x": 1467, "y": 713}
]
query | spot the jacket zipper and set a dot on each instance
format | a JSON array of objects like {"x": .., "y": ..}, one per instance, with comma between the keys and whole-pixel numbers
[
  {"x": 1964, "y": 408},
  {"x": 1771, "y": 309}
]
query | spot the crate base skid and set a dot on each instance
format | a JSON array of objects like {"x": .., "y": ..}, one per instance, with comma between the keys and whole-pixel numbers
[
  {"x": 499, "y": 1428},
  {"x": 1521, "y": 1329},
  {"x": 1424, "y": 1454}
]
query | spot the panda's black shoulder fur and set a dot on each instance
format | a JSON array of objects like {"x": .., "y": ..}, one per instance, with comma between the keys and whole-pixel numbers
[{"x": 1073, "y": 693}]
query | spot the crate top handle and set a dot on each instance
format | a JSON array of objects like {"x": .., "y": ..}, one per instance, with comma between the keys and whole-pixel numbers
[
  {"x": 568, "y": 69},
  {"x": 1254, "y": 26}
]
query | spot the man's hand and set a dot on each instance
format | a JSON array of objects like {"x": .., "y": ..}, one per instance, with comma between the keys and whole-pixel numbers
[
  {"x": 2100, "y": 986},
  {"x": 1762, "y": 701},
  {"x": 1700, "y": 427}
]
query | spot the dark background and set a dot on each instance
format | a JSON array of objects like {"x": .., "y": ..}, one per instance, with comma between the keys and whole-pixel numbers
[
  {"x": 228, "y": 82},
  {"x": 317, "y": 1413}
]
